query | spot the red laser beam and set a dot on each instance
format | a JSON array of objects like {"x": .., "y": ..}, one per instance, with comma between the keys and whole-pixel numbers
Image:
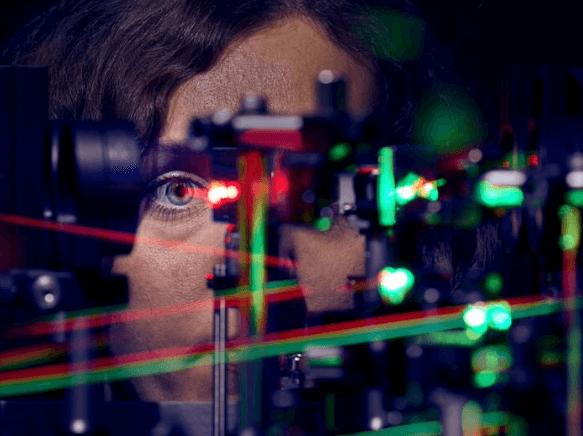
[
  {"x": 125, "y": 316},
  {"x": 130, "y": 238},
  {"x": 58, "y": 370}
]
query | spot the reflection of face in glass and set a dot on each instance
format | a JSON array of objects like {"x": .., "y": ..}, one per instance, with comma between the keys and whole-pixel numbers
[{"x": 280, "y": 63}]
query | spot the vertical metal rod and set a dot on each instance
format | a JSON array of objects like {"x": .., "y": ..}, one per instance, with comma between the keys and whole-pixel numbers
[
  {"x": 220, "y": 368},
  {"x": 571, "y": 227}
]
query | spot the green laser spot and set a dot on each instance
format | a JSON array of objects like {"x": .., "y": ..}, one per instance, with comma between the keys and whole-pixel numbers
[
  {"x": 485, "y": 379},
  {"x": 339, "y": 151},
  {"x": 498, "y": 196},
  {"x": 394, "y": 283},
  {"x": 493, "y": 283},
  {"x": 575, "y": 197},
  {"x": 323, "y": 224}
]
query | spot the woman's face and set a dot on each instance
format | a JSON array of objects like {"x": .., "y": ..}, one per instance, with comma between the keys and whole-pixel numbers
[{"x": 280, "y": 63}]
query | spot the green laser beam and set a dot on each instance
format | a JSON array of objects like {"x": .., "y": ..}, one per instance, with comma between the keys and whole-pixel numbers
[{"x": 326, "y": 338}]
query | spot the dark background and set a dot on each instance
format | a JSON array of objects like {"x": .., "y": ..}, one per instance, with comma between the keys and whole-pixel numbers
[{"x": 482, "y": 36}]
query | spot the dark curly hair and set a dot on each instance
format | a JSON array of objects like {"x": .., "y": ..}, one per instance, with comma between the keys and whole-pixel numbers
[{"x": 124, "y": 58}]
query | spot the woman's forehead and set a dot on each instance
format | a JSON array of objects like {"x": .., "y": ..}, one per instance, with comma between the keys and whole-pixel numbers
[{"x": 280, "y": 63}]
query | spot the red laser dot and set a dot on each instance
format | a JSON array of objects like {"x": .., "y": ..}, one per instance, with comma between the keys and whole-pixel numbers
[
  {"x": 533, "y": 160},
  {"x": 280, "y": 183},
  {"x": 220, "y": 193}
]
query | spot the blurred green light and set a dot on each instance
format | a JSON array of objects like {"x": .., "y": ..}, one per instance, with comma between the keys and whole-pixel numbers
[
  {"x": 339, "y": 151},
  {"x": 447, "y": 120},
  {"x": 575, "y": 197},
  {"x": 499, "y": 196},
  {"x": 406, "y": 190},
  {"x": 414, "y": 186},
  {"x": 386, "y": 187},
  {"x": 394, "y": 283},
  {"x": 323, "y": 224},
  {"x": 475, "y": 316},
  {"x": 493, "y": 283},
  {"x": 485, "y": 379},
  {"x": 570, "y": 227},
  {"x": 499, "y": 315},
  {"x": 495, "y": 358}
]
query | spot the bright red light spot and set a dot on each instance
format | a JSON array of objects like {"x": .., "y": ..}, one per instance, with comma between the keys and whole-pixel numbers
[
  {"x": 505, "y": 164},
  {"x": 533, "y": 160},
  {"x": 220, "y": 193},
  {"x": 280, "y": 183}
]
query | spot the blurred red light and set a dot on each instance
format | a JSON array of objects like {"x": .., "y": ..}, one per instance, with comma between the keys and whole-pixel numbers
[
  {"x": 533, "y": 160},
  {"x": 220, "y": 193}
]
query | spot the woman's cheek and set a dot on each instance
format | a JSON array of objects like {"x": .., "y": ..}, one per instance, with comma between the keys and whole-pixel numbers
[{"x": 167, "y": 270}]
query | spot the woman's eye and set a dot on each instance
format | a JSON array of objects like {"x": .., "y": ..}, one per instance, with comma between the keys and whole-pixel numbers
[
  {"x": 180, "y": 193},
  {"x": 173, "y": 195}
]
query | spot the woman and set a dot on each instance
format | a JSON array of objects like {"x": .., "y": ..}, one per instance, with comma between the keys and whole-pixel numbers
[{"x": 161, "y": 64}]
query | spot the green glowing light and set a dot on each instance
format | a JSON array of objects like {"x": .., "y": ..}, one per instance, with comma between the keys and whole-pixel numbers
[
  {"x": 160, "y": 365},
  {"x": 498, "y": 196},
  {"x": 327, "y": 361},
  {"x": 495, "y": 358},
  {"x": 447, "y": 120},
  {"x": 475, "y": 316},
  {"x": 394, "y": 283},
  {"x": 575, "y": 197},
  {"x": 257, "y": 275},
  {"x": 414, "y": 186},
  {"x": 570, "y": 228},
  {"x": 323, "y": 224},
  {"x": 339, "y": 151},
  {"x": 493, "y": 283},
  {"x": 406, "y": 189},
  {"x": 386, "y": 187},
  {"x": 499, "y": 316},
  {"x": 485, "y": 379}
]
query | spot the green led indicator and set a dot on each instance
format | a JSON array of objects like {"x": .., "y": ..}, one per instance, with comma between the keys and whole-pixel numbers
[
  {"x": 394, "y": 283},
  {"x": 478, "y": 317},
  {"x": 323, "y": 224},
  {"x": 493, "y": 283},
  {"x": 339, "y": 151},
  {"x": 499, "y": 196},
  {"x": 475, "y": 316},
  {"x": 485, "y": 379},
  {"x": 575, "y": 197},
  {"x": 499, "y": 316},
  {"x": 386, "y": 187}
]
